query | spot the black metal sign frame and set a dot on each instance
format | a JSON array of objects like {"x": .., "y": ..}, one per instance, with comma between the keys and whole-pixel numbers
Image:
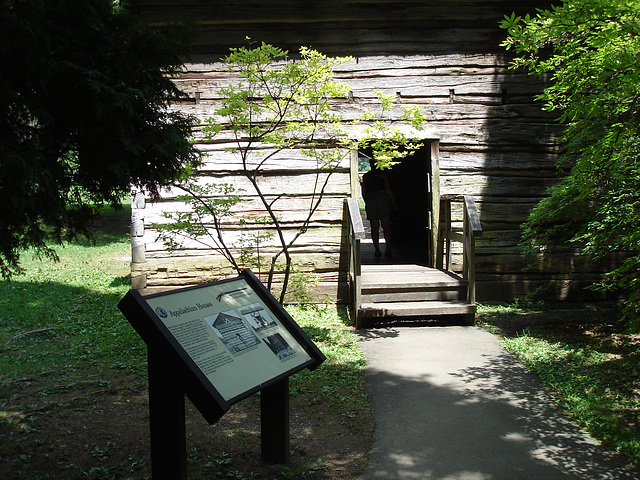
[{"x": 236, "y": 300}]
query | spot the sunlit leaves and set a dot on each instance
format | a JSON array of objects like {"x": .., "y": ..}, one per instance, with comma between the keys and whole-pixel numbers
[
  {"x": 277, "y": 103},
  {"x": 589, "y": 50}
]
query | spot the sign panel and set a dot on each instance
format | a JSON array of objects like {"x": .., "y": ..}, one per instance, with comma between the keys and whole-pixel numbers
[
  {"x": 232, "y": 336},
  {"x": 229, "y": 339}
]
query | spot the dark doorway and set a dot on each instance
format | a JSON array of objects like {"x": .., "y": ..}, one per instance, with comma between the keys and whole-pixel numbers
[{"x": 410, "y": 182}]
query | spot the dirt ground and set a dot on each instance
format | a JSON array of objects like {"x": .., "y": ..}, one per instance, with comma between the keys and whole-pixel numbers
[{"x": 97, "y": 431}]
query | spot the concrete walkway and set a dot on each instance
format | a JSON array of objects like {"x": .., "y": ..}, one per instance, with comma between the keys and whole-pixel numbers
[{"x": 450, "y": 403}]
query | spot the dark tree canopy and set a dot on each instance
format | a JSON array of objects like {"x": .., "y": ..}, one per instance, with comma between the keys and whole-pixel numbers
[{"x": 84, "y": 115}]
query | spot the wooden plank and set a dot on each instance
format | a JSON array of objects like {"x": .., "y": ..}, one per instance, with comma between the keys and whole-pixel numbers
[
  {"x": 412, "y": 296},
  {"x": 472, "y": 214},
  {"x": 355, "y": 218},
  {"x": 203, "y": 65},
  {"x": 290, "y": 210},
  {"x": 411, "y": 83},
  {"x": 567, "y": 261},
  {"x": 489, "y": 160},
  {"x": 407, "y": 281},
  {"x": 392, "y": 309},
  {"x": 493, "y": 212},
  {"x": 380, "y": 277},
  {"x": 479, "y": 185},
  {"x": 434, "y": 200},
  {"x": 280, "y": 185},
  {"x": 217, "y": 157}
]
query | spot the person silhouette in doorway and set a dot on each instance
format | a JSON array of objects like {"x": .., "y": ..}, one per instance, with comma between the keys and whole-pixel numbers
[{"x": 379, "y": 205}]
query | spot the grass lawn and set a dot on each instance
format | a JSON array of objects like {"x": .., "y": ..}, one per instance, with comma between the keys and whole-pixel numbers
[
  {"x": 587, "y": 360},
  {"x": 73, "y": 385}
]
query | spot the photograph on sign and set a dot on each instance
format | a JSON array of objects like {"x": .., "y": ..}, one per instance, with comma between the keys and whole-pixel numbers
[{"x": 230, "y": 334}]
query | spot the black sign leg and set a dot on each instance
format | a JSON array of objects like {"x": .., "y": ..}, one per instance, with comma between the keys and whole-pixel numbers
[
  {"x": 274, "y": 422},
  {"x": 167, "y": 418}
]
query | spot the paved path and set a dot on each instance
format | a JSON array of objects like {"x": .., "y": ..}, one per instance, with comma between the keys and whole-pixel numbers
[{"x": 450, "y": 403}]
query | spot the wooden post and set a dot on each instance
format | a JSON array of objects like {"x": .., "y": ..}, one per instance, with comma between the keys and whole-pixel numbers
[
  {"x": 434, "y": 193},
  {"x": 354, "y": 179},
  {"x": 357, "y": 281},
  {"x": 465, "y": 244},
  {"x": 356, "y": 233},
  {"x": 473, "y": 229},
  {"x": 444, "y": 240},
  {"x": 167, "y": 419},
  {"x": 274, "y": 422}
]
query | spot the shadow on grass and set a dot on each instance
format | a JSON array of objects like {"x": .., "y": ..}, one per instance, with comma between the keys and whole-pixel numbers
[
  {"x": 47, "y": 326},
  {"x": 585, "y": 356},
  {"x": 111, "y": 226},
  {"x": 124, "y": 280}
]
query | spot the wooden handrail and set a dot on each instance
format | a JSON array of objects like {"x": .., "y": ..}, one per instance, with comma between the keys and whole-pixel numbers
[
  {"x": 356, "y": 234},
  {"x": 471, "y": 229},
  {"x": 355, "y": 219}
]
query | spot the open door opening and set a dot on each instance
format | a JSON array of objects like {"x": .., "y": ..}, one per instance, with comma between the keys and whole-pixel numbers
[{"x": 412, "y": 185}]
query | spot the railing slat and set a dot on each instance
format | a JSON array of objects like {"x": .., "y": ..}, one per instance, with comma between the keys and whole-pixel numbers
[
  {"x": 355, "y": 219},
  {"x": 471, "y": 228},
  {"x": 356, "y": 233},
  {"x": 472, "y": 213}
]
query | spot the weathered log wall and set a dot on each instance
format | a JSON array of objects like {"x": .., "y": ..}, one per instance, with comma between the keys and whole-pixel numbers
[
  {"x": 444, "y": 56},
  {"x": 364, "y": 27},
  {"x": 290, "y": 182}
]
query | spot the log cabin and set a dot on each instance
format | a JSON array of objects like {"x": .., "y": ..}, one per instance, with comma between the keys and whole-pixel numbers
[{"x": 486, "y": 139}]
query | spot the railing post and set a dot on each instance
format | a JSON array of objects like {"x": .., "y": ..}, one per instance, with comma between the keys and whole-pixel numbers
[
  {"x": 465, "y": 245},
  {"x": 356, "y": 233},
  {"x": 472, "y": 228},
  {"x": 357, "y": 281},
  {"x": 468, "y": 257},
  {"x": 444, "y": 240},
  {"x": 471, "y": 297}
]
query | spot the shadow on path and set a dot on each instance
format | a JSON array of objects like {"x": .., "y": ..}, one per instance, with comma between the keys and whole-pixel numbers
[{"x": 450, "y": 403}]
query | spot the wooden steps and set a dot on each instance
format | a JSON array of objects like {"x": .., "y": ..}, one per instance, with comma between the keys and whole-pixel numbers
[
  {"x": 409, "y": 290},
  {"x": 410, "y": 309}
]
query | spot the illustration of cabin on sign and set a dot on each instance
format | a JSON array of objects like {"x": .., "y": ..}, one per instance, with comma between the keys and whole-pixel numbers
[{"x": 234, "y": 333}]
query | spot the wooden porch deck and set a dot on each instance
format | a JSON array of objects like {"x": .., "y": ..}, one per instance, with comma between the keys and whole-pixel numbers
[{"x": 402, "y": 287}]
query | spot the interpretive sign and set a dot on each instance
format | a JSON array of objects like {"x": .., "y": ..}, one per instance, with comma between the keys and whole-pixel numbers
[
  {"x": 217, "y": 343},
  {"x": 232, "y": 336}
]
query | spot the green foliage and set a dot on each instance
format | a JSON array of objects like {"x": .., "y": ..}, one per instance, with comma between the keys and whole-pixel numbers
[
  {"x": 588, "y": 50},
  {"x": 279, "y": 104},
  {"x": 62, "y": 318},
  {"x": 302, "y": 287},
  {"x": 83, "y": 116},
  {"x": 211, "y": 206},
  {"x": 339, "y": 381},
  {"x": 388, "y": 143},
  {"x": 591, "y": 384},
  {"x": 254, "y": 235}
]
